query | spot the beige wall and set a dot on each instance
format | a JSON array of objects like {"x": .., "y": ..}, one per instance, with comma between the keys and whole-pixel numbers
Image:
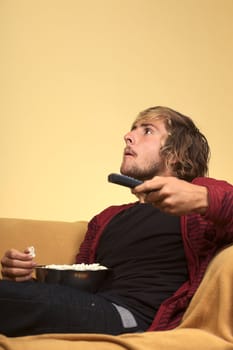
[{"x": 73, "y": 75}]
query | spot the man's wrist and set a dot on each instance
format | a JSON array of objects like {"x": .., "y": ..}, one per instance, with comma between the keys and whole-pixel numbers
[{"x": 202, "y": 200}]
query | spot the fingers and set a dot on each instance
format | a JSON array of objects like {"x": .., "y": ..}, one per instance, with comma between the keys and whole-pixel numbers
[
  {"x": 16, "y": 277},
  {"x": 141, "y": 197},
  {"x": 156, "y": 200},
  {"x": 14, "y": 257},
  {"x": 149, "y": 185},
  {"x": 149, "y": 191},
  {"x": 161, "y": 192},
  {"x": 173, "y": 196},
  {"x": 17, "y": 266}
]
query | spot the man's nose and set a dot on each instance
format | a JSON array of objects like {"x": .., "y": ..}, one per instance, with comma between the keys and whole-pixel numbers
[{"x": 129, "y": 138}]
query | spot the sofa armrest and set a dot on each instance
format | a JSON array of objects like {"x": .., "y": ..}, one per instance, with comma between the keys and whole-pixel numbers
[{"x": 55, "y": 242}]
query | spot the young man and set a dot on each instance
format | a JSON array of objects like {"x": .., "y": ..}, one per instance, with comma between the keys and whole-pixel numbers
[{"x": 158, "y": 248}]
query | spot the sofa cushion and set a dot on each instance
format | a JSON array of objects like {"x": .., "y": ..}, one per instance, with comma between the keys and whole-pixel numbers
[{"x": 55, "y": 242}]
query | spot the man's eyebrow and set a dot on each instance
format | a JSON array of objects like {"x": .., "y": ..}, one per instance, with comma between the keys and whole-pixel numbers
[
  {"x": 143, "y": 125},
  {"x": 148, "y": 124}
]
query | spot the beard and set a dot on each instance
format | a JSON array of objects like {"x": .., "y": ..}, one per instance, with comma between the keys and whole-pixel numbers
[{"x": 146, "y": 173}]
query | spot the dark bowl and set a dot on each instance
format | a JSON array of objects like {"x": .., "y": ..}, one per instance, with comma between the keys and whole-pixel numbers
[{"x": 88, "y": 280}]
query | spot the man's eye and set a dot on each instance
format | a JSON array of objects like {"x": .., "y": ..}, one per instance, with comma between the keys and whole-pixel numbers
[{"x": 148, "y": 131}]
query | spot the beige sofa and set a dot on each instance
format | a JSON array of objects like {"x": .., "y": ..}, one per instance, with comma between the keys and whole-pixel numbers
[
  {"x": 54, "y": 242},
  {"x": 207, "y": 324}
]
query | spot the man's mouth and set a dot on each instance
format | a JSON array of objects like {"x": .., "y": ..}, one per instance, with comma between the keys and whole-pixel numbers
[{"x": 129, "y": 152}]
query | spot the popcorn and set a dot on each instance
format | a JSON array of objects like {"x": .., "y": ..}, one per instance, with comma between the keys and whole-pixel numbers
[
  {"x": 77, "y": 267},
  {"x": 32, "y": 251}
]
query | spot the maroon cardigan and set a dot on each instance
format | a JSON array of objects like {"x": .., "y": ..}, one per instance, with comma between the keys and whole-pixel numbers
[{"x": 202, "y": 236}]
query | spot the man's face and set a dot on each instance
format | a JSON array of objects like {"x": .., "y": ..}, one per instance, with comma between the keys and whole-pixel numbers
[{"x": 141, "y": 158}]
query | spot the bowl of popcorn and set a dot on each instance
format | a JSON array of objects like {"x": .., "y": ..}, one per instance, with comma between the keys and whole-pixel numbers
[{"x": 87, "y": 277}]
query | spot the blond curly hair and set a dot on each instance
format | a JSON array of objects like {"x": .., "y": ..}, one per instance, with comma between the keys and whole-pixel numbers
[{"x": 186, "y": 150}]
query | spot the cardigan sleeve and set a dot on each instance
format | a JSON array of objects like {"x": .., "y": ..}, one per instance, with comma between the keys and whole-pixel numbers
[
  {"x": 220, "y": 210},
  {"x": 84, "y": 253}
]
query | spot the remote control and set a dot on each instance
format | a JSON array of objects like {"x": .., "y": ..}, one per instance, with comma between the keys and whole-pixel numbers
[{"x": 124, "y": 180}]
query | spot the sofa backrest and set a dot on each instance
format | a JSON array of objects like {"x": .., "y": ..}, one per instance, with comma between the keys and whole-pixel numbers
[{"x": 55, "y": 242}]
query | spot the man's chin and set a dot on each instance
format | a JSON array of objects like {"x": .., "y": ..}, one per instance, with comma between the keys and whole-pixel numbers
[
  {"x": 125, "y": 172},
  {"x": 130, "y": 172},
  {"x": 137, "y": 174}
]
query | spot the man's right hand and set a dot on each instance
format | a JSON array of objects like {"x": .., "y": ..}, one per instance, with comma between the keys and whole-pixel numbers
[{"x": 17, "y": 266}]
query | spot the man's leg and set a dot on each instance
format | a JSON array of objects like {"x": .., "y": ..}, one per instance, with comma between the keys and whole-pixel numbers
[{"x": 33, "y": 308}]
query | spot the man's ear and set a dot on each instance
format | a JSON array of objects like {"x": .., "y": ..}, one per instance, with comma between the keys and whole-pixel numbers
[
  {"x": 171, "y": 163},
  {"x": 171, "y": 159}
]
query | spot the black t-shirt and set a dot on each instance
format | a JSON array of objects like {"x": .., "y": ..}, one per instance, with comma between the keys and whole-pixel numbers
[{"x": 144, "y": 249}]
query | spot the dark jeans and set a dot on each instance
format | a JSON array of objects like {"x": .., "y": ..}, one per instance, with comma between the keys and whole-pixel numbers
[{"x": 28, "y": 308}]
